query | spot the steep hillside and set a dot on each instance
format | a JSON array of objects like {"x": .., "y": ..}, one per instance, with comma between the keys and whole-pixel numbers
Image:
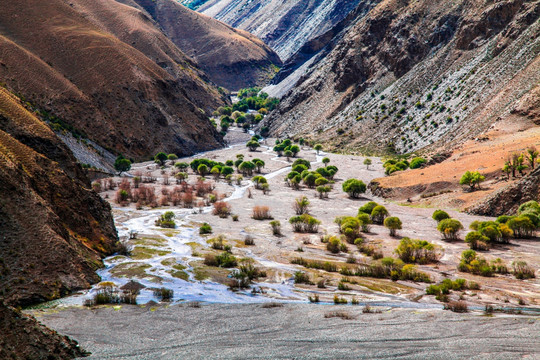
[
  {"x": 285, "y": 26},
  {"x": 55, "y": 229},
  {"x": 232, "y": 58},
  {"x": 411, "y": 75},
  {"x": 104, "y": 69},
  {"x": 24, "y": 338}
]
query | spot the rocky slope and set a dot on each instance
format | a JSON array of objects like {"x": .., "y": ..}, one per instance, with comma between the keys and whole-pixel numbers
[
  {"x": 54, "y": 228},
  {"x": 416, "y": 75},
  {"x": 285, "y": 26},
  {"x": 24, "y": 338},
  {"x": 106, "y": 70},
  {"x": 232, "y": 58}
]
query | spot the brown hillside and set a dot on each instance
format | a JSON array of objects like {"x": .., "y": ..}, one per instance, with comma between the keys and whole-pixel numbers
[
  {"x": 232, "y": 58},
  {"x": 103, "y": 68},
  {"x": 24, "y": 338},
  {"x": 54, "y": 228}
]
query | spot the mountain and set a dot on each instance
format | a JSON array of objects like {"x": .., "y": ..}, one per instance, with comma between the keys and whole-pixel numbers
[
  {"x": 54, "y": 228},
  {"x": 284, "y": 25},
  {"x": 232, "y": 58},
  {"x": 417, "y": 75},
  {"x": 102, "y": 69}
]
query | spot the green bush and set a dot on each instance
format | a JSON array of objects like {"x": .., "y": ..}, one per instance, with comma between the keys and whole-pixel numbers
[
  {"x": 439, "y": 215},
  {"x": 477, "y": 241},
  {"x": 417, "y": 162},
  {"x": 304, "y": 223},
  {"x": 418, "y": 251},
  {"x": 392, "y": 223},
  {"x": 471, "y": 179},
  {"x": 205, "y": 229},
  {"x": 522, "y": 226},
  {"x": 365, "y": 221},
  {"x": 354, "y": 188},
  {"x": 166, "y": 220},
  {"x": 450, "y": 228},
  {"x": 367, "y": 208},
  {"x": 522, "y": 270},
  {"x": 474, "y": 264},
  {"x": 378, "y": 214}
]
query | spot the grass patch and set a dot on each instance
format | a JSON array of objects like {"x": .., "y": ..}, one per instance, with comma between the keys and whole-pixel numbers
[
  {"x": 134, "y": 270},
  {"x": 149, "y": 241},
  {"x": 180, "y": 274},
  {"x": 143, "y": 253}
]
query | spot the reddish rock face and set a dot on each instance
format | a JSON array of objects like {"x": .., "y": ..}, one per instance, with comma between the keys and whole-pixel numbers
[{"x": 55, "y": 229}]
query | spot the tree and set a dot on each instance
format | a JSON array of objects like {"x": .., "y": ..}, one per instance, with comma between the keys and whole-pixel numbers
[
  {"x": 288, "y": 154},
  {"x": 295, "y": 149},
  {"x": 532, "y": 155},
  {"x": 449, "y": 228},
  {"x": 378, "y": 214},
  {"x": 318, "y": 147},
  {"x": 367, "y": 162},
  {"x": 393, "y": 224},
  {"x": 172, "y": 158},
  {"x": 439, "y": 215},
  {"x": 259, "y": 164},
  {"x": 253, "y": 145},
  {"x": 354, "y": 188},
  {"x": 325, "y": 161},
  {"x": 507, "y": 169},
  {"x": 323, "y": 191},
  {"x": 160, "y": 158},
  {"x": 122, "y": 164},
  {"x": 472, "y": 178},
  {"x": 246, "y": 168},
  {"x": 216, "y": 172},
  {"x": 202, "y": 169},
  {"x": 310, "y": 179},
  {"x": 182, "y": 165}
]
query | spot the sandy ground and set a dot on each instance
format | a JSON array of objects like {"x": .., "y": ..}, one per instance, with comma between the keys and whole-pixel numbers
[{"x": 293, "y": 332}]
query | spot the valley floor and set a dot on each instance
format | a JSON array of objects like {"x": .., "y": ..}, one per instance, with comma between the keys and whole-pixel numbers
[{"x": 293, "y": 331}]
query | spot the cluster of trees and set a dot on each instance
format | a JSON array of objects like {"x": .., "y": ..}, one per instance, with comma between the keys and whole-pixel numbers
[
  {"x": 321, "y": 178},
  {"x": 518, "y": 162},
  {"x": 253, "y": 98},
  {"x": 472, "y": 179},
  {"x": 393, "y": 165},
  {"x": 204, "y": 167},
  {"x": 287, "y": 148}
]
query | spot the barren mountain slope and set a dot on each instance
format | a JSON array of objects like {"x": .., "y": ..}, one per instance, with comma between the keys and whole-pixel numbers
[
  {"x": 24, "y": 338},
  {"x": 54, "y": 227},
  {"x": 137, "y": 96},
  {"x": 232, "y": 58},
  {"x": 414, "y": 74},
  {"x": 284, "y": 25}
]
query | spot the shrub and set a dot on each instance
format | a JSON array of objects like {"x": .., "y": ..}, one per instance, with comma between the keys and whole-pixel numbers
[
  {"x": 529, "y": 206},
  {"x": 261, "y": 213},
  {"x": 350, "y": 227},
  {"x": 301, "y": 278},
  {"x": 367, "y": 162},
  {"x": 378, "y": 214},
  {"x": 252, "y": 145},
  {"x": 160, "y": 158},
  {"x": 205, "y": 229},
  {"x": 276, "y": 227},
  {"x": 457, "y": 306},
  {"x": 318, "y": 147},
  {"x": 522, "y": 270},
  {"x": 522, "y": 226},
  {"x": 439, "y": 215},
  {"x": 221, "y": 209},
  {"x": 121, "y": 164},
  {"x": 367, "y": 208},
  {"x": 418, "y": 251},
  {"x": 477, "y": 241},
  {"x": 166, "y": 220},
  {"x": 334, "y": 245},
  {"x": 304, "y": 223},
  {"x": 226, "y": 260},
  {"x": 471, "y": 179},
  {"x": 450, "y": 228},
  {"x": 474, "y": 264},
  {"x": 392, "y": 223},
  {"x": 354, "y": 188},
  {"x": 164, "y": 294},
  {"x": 301, "y": 205},
  {"x": 365, "y": 221},
  {"x": 417, "y": 162},
  {"x": 248, "y": 240}
]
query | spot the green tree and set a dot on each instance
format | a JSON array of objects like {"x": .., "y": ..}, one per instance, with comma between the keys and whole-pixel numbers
[
  {"x": 122, "y": 164},
  {"x": 378, "y": 214},
  {"x": 439, "y": 215},
  {"x": 393, "y": 224},
  {"x": 532, "y": 155},
  {"x": 318, "y": 148},
  {"x": 449, "y": 228},
  {"x": 472, "y": 179},
  {"x": 172, "y": 158},
  {"x": 288, "y": 154},
  {"x": 160, "y": 158},
  {"x": 253, "y": 145},
  {"x": 354, "y": 188},
  {"x": 202, "y": 169},
  {"x": 367, "y": 162},
  {"x": 295, "y": 149}
]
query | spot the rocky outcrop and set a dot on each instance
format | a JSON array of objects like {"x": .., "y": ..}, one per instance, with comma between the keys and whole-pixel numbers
[
  {"x": 507, "y": 200},
  {"x": 409, "y": 75},
  {"x": 108, "y": 72},
  {"x": 24, "y": 338},
  {"x": 232, "y": 58},
  {"x": 54, "y": 228},
  {"x": 286, "y": 26}
]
